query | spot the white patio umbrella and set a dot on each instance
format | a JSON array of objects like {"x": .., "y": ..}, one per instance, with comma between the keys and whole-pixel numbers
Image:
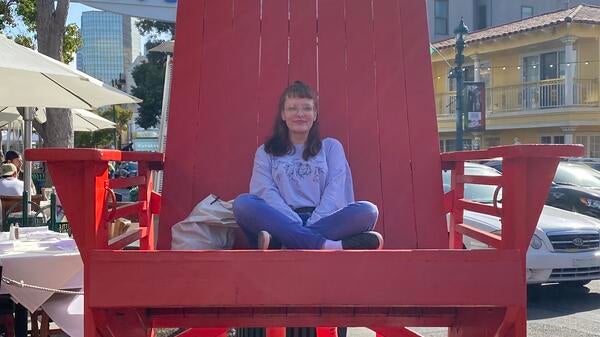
[
  {"x": 83, "y": 120},
  {"x": 30, "y": 79}
]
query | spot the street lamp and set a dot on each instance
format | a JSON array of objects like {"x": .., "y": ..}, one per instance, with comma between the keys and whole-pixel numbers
[{"x": 461, "y": 32}]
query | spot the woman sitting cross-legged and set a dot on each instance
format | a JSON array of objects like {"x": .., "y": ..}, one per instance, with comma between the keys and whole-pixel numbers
[{"x": 301, "y": 191}]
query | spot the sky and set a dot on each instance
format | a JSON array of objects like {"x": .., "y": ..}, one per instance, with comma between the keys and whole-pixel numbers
[{"x": 75, "y": 11}]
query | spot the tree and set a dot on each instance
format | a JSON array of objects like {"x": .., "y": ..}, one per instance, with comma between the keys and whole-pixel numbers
[
  {"x": 105, "y": 138},
  {"x": 153, "y": 28},
  {"x": 149, "y": 78},
  {"x": 46, "y": 20}
]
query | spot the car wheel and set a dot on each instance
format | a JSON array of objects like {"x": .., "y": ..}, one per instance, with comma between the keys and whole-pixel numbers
[{"x": 575, "y": 284}]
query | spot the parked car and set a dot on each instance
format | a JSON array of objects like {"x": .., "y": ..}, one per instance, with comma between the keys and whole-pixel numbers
[
  {"x": 591, "y": 162},
  {"x": 565, "y": 247},
  {"x": 576, "y": 187}
]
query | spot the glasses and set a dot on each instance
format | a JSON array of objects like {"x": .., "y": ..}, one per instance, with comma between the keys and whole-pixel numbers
[{"x": 296, "y": 110}]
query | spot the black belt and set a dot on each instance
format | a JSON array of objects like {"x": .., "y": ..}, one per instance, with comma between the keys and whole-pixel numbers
[{"x": 304, "y": 210}]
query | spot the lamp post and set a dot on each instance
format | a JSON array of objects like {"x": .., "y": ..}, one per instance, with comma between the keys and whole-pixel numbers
[{"x": 461, "y": 31}]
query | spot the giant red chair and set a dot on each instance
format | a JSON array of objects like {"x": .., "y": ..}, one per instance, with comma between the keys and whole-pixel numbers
[{"x": 369, "y": 62}]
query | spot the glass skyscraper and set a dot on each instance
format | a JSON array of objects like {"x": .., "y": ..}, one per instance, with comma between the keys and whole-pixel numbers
[{"x": 111, "y": 42}]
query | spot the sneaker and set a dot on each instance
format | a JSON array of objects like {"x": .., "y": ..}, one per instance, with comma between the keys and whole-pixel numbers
[
  {"x": 365, "y": 240},
  {"x": 264, "y": 239}
]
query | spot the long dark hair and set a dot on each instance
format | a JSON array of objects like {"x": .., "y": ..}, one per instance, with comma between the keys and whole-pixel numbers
[{"x": 279, "y": 143}]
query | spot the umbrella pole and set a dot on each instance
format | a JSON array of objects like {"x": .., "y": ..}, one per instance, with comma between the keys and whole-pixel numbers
[{"x": 28, "y": 117}]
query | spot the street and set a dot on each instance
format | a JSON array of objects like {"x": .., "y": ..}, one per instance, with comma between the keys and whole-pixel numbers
[{"x": 552, "y": 311}]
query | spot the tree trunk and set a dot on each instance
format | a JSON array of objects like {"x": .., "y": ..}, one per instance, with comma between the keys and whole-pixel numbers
[{"x": 51, "y": 23}]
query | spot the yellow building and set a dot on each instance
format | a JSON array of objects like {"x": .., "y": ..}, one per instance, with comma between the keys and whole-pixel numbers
[{"x": 541, "y": 77}]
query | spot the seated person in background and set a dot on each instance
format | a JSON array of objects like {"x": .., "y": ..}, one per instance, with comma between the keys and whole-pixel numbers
[
  {"x": 14, "y": 157},
  {"x": 10, "y": 185}
]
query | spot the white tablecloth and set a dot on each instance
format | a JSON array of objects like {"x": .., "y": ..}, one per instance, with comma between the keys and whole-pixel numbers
[{"x": 47, "y": 259}]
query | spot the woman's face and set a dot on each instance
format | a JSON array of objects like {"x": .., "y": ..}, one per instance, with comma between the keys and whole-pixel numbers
[{"x": 299, "y": 114}]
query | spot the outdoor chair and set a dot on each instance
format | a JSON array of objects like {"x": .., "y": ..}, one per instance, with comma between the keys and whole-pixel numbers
[
  {"x": 14, "y": 204},
  {"x": 369, "y": 61}
]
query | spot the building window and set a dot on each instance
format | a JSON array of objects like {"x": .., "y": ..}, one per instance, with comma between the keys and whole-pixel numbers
[
  {"x": 480, "y": 15},
  {"x": 591, "y": 144},
  {"x": 526, "y": 12},
  {"x": 485, "y": 72},
  {"x": 491, "y": 142},
  {"x": 441, "y": 17},
  {"x": 552, "y": 139},
  {"x": 448, "y": 145}
]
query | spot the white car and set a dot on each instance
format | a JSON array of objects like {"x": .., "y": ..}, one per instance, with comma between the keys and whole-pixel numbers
[{"x": 565, "y": 247}]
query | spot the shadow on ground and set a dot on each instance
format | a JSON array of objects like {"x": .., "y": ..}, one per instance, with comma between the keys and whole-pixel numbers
[{"x": 554, "y": 300}]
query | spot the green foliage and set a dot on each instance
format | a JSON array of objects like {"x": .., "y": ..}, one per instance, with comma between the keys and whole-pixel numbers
[
  {"x": 72, "y": 43},
  {"x": 25, "y": 41},
  {"x": 104, "y": 139},
  {"x": 150, "y": 78},
  {"x": 25, "y": 11},
  {"x": 7, "y": 17},
  {"x": 153, "y": 28},
  {"x": 118, "y": 114}
]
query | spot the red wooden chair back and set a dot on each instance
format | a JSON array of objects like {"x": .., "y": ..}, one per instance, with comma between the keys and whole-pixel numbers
[{"x": 369, "y": 62}]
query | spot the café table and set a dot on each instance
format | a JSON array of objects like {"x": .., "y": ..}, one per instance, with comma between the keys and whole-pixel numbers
[{"x": 44, "y": 269}]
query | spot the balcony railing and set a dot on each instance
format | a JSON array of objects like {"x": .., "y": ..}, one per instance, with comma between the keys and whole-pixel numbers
[{"x": 529, "y": 96}]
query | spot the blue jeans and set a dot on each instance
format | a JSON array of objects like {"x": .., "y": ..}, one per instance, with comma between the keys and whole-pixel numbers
[{"x": 253, "y": 215}]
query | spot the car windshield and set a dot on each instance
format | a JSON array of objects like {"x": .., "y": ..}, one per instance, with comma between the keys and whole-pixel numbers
[
  {"x": 480, "y": 193},
  {"x": 577, "y": 175}
]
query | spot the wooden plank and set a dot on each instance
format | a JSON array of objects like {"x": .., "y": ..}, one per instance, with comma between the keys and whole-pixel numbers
[
  {"x": 489, "y": 239},
  {"x": 124, "y": 210},
  {"x": 210, "y": 161},
  {"x": 479, "y": 207},
  {"x": 396, "y": 176},
  {"x": 273, "y": 64},
  {"x": 249, "y": 317},
  {"x": 185, "y": 96},
  {"x": 333, "y": 110},
  {"x": 121, "y": 241},
  {"x": 64, "y": 154},
  {"x": 126, "y": 182},
  {"x": 303, "y": 42},
  {"x": 422, "y": 122},
  {"x": 254, "y": 278},
  {"x": 517, "y": 151},
  {"x": 240, "y": 132},
  {"x": 364, "y": 156}
]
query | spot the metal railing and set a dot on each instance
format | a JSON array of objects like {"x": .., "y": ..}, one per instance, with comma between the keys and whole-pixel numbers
[{"x": 529, "y": 96}]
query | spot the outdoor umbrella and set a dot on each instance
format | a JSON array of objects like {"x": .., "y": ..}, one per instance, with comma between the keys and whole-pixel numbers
[
  {"x": 30, "y": 79},
  {"x": 83, "y": 120}
]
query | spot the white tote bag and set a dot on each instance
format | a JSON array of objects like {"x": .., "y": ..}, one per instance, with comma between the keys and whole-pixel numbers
[{"x": 210, "y": 225}]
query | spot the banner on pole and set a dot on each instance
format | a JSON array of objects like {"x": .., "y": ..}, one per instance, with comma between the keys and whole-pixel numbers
[{"x": 474, "y": 106}]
